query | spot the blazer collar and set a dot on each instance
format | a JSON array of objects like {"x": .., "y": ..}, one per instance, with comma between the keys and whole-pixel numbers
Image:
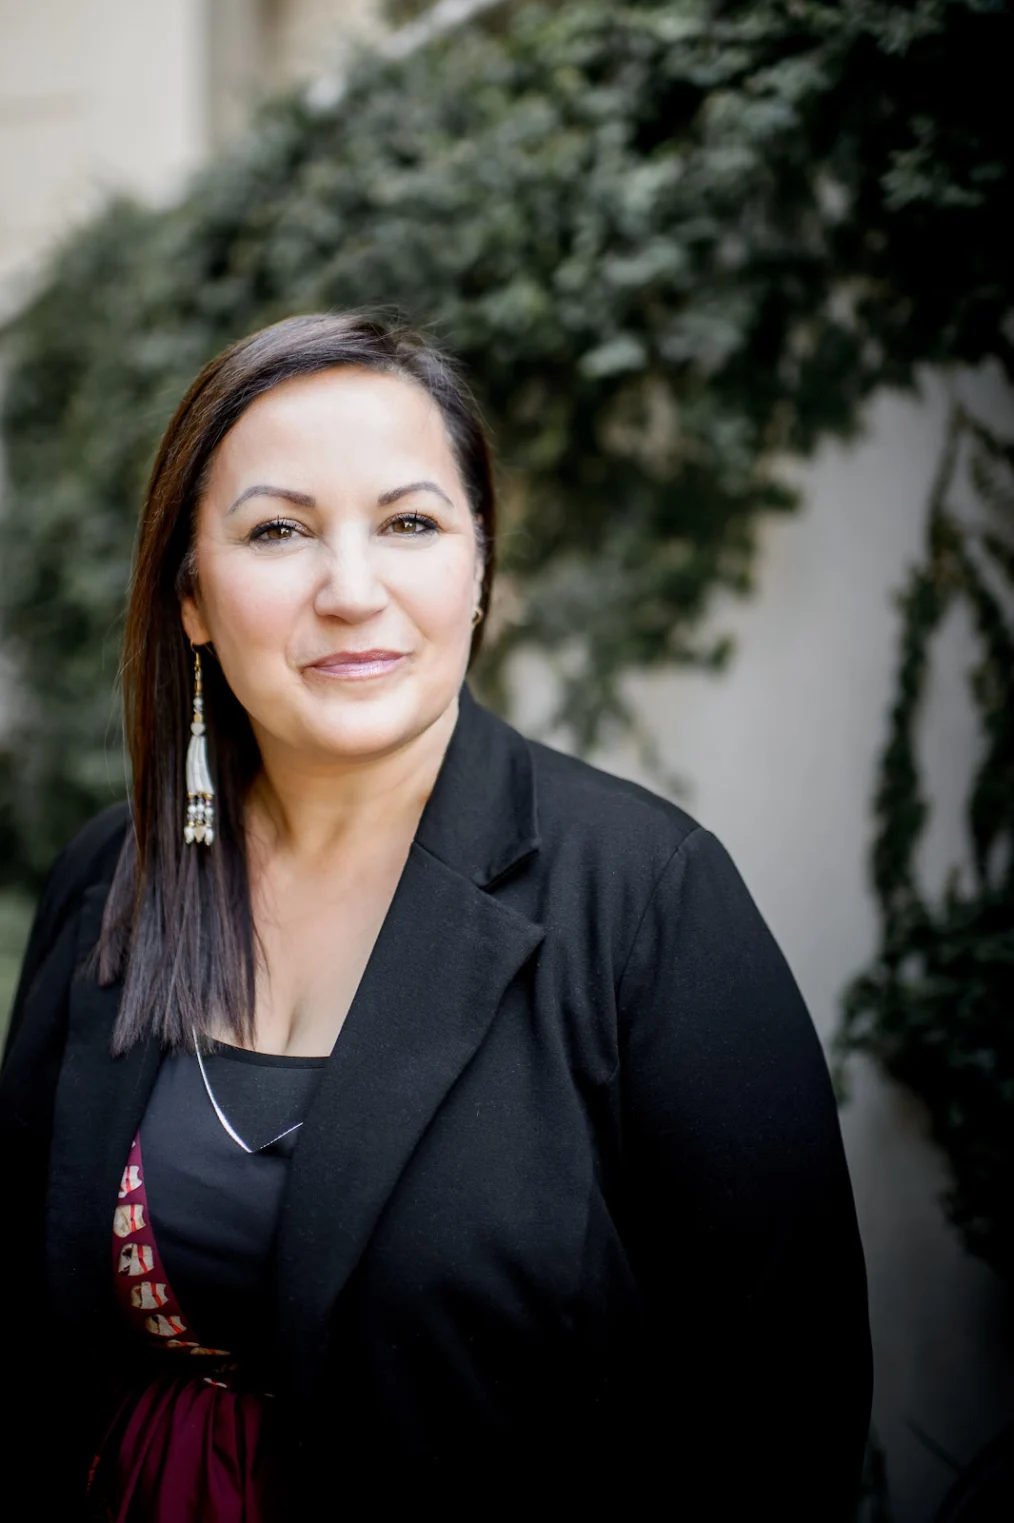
[{"x": 481, "y": 819}]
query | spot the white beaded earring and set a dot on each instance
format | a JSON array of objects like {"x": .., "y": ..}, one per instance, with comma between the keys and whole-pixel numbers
[{"x": 200, "y": 823}]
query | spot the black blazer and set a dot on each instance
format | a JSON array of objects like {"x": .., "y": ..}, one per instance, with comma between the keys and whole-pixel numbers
[{"x": 569, "y": 1217}]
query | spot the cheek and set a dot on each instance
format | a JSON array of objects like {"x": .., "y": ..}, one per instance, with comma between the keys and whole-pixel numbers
[
  {"x": 251, "y": 607},
  {"x": 436, "y": 592}
]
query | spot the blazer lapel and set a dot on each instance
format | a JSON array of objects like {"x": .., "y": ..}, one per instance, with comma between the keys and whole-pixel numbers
[
  {"x": 445, "y": 955},
  {"x": 99, "y": 1104}
]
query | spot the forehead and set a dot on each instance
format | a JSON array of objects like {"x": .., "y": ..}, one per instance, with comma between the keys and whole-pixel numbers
[{"x": 356, "y": 423}]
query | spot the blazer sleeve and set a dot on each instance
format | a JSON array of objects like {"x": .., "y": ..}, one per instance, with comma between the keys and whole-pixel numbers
[
  {"x": 90, "y": 855},
  {"x": 45, "y": 928},
  {"x": 28, "y": 1080},
  {"x": 741, "y": 1222}
]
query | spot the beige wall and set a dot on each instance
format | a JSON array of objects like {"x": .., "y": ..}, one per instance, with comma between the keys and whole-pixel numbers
[
  {"x": 303, "y": 40},
  {"x": 256, "y": 46},
  {"x": 98, "y": 96},
  {"x": 95, "y": 96}
]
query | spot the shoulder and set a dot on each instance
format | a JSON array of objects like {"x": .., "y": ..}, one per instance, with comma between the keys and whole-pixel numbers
[
  {"x": 89, "y": 858},
  {"x": 582, "y": 835},
  {"x": 608, "y": 815},
  {"x": 668, "y": 876},
  {"x": 631, "y": 871},
  {"x": 91, "y": 855}
]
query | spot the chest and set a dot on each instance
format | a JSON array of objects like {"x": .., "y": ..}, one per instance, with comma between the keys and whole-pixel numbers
[
  {"x": 453, "y": 1149},
  {"x": 315, "y": 937}
]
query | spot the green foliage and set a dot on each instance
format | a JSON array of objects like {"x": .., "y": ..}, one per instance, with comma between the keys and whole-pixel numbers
[
  {"x": 937, "y": 1006},
  {"x": 15, "y": 921},
  {"x": 669, "y": 242}
]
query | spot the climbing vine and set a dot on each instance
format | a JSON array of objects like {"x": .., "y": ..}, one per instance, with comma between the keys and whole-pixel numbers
[
  {"x": 936, "y": 1007},
  {"x": 671, "y": 243}
]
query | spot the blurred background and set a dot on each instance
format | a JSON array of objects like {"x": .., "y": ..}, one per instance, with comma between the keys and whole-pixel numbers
[{"x": 733, "y": 283}]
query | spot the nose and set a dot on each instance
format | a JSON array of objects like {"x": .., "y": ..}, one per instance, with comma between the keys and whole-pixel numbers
[{"x": 348, "y": 586}]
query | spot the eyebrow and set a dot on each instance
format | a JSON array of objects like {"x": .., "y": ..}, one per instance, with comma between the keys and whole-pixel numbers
[
  {"x": 300, "y": 499},
  {"x": 386, "y": 498},
  {"x": 304, "y": 500}
]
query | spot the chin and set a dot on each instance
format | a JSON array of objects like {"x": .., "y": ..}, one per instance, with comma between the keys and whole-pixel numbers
[{"x": 376, "y": 727}]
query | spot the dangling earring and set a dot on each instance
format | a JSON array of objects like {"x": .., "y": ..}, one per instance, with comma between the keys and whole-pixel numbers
[
  {"x": 200, "y": 825},
  {"x": 476, "y": 617}
]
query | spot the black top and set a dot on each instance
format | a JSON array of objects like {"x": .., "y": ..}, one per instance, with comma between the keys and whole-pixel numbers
[
  {"x": 214, "y": 1208},
  {"x": 569, "y": 1215}
]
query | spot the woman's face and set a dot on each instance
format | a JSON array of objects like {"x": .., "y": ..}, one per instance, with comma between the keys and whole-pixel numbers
[{"x": 338, "y": 566}]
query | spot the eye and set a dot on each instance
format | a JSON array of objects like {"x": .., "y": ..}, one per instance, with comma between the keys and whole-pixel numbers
[
  {"x": 410, "y": 526},
  {"x": 275, "y": 532}
]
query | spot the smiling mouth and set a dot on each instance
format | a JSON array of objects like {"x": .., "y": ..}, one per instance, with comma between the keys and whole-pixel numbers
[{"x": 358, "y": 665}]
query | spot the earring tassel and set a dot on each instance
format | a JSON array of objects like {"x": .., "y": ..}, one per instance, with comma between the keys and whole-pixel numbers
[{"x": 200, "y": 825}]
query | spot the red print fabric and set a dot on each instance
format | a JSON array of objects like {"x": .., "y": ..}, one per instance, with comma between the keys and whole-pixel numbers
[{"x": 190, "y": 1445}]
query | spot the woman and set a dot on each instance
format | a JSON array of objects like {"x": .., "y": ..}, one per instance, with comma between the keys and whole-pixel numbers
[{"x": 392, "y": 1105}]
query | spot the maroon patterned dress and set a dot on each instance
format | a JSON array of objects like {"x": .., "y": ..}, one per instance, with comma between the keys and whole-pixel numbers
[{"x": 191, "y": 1444}]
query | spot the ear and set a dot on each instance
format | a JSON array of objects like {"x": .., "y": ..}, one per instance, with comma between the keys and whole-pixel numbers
[{"x": 197, "y": 632}]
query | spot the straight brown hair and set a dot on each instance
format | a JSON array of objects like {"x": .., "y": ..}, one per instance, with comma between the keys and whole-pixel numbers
[{"x": 178, "y": 926}]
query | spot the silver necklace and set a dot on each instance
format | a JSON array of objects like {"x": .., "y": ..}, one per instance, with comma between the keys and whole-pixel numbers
[{"x": 227, "y": 1125}]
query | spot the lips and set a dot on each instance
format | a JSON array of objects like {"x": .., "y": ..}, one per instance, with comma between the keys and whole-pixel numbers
[{"x": 357, "y": 665}]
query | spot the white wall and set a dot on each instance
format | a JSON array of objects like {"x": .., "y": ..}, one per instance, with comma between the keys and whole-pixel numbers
[
  {"x": 257, "y": 46},
  {"x": 99, "y": 96},
  {"x": 779, "y": 754},
  {"x": 308, "y": 37},
  {"x": 95, "y": 96}
]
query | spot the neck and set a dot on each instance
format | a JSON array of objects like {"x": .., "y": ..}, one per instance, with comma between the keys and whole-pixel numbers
[{"x": 310, "y": 809}]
